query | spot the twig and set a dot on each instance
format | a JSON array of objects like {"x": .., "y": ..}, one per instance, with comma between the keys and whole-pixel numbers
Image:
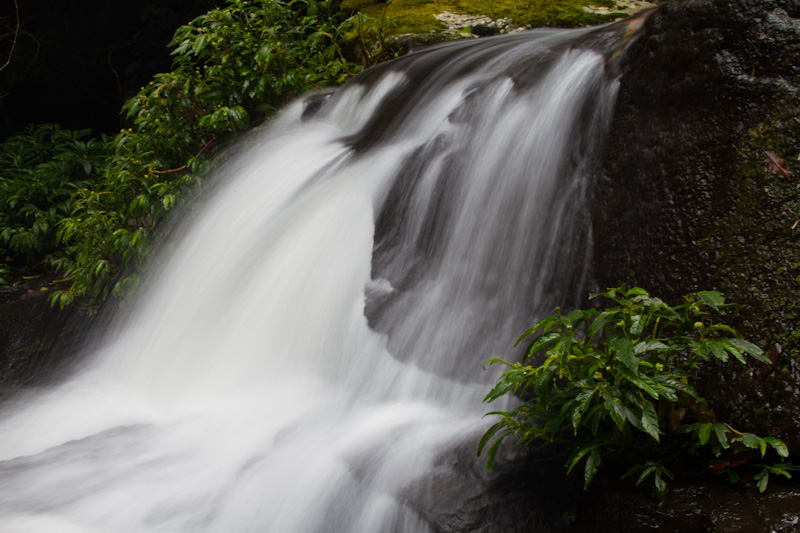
[
  {"x": 207, "y": 145},
  {"x": 14, "y": 39}
]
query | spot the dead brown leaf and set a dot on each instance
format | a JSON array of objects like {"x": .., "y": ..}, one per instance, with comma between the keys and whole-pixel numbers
[{"x": 776, "y": 165}]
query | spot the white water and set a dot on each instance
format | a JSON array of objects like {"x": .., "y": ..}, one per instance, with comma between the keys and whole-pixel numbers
[{"x": 247, "y": 392}]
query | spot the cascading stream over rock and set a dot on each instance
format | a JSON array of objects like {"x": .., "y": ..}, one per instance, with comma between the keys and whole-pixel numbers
[{"x": 311, "y": 346}]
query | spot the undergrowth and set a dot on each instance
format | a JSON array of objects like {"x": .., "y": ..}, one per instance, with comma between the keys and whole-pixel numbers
[{"x": 619, "y": 386}]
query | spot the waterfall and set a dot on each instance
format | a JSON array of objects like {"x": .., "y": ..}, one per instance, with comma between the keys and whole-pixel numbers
[{"x": 311, "y": 345}]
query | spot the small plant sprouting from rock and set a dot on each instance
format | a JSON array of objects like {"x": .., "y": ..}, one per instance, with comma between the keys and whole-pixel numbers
[{"x": 617, "y": 384}]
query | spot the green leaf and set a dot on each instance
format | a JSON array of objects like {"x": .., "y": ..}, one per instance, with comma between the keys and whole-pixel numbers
[
  {"x": 681, "y": 386},
  {"x": 492, "y": 453},
  {"x": 778, "y": 445},
  {"x": 780, "y": 471},
  {"x": 624, "y": 350},
  {"x": 704, "y": 432},
  {"x": 582, "y": 400},
  {"x": 748, "y": 439},
  {"x": 750, "y": 348},
  {"x": 661, "y": 488},
  {"x": 541, "y": 342},
  {"x": 650, "y": 419},
  {"x": 713, "y": 299},
  {"x": 600, "y": 321},
  {"x": 491, "y": 433},
  {"x": 592, "y": 464},
  {"x": 613, "y": 408},
  {"x": 646, "y": 472},
  {"x": 542, "y": 324},
  {"x": 721, "y": 431},
  {"x": 641, "y": 381},
  {"x": 649, "y": 346},
  {"x": 762, "y": 479},
  {"x": 638, "y": 323},
  {"x": 576, "y": 458},
  {"x": 718, "y": 350}
]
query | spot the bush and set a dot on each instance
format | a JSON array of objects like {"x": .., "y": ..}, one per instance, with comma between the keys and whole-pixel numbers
[
  {"x": 618, "y": 384},
  {"x": 233, "y": 67},
  {"x": 40, "y": 170}
]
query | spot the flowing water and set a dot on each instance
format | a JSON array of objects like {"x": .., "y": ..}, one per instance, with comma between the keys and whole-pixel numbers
[{"x": 308, "y": 349}]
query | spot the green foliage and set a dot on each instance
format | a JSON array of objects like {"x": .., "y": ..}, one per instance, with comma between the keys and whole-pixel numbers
[
  {"x": 233, "y": 67},
  {"x": 618, "y": 384},
  {"x": 40, "y": 170}
]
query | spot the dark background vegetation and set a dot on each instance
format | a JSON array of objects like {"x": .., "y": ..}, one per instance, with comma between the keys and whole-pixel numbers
[{"x": 76, "y": 61}]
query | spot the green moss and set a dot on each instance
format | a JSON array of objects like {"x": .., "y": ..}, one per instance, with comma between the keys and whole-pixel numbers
[
  {"x": 756, "y": 252},
  {"x": 416, "y": 16},
  {"x": 755, "y": 247}
]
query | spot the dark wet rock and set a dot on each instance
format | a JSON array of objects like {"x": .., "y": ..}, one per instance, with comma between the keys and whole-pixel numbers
[
  {"x": 698, "y": 503},
  {"x": 409, "y": 42},
  {"x": 37, "y": 340},
  {"x": 526, "y": 493},
  {"x": 685, "y": 201}
]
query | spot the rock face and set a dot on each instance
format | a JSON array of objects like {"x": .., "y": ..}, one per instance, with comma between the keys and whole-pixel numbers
[
  {"x": 37, "y": 341},
  {"x": 686, "y": 202}
]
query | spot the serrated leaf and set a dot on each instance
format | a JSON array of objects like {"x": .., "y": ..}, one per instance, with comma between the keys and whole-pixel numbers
[
  {"x": 718, "y": 351},
  {"x": 704, "y": 432},
  {"x": 778, "y": 445},
  {"x": 614, "y": 409},
  {"x": 577, "y": 458},
  {"x": 732, "y": 349},
  {"x": 489, "y": 434},
  {"x": 713, "y": 299},
  {"x": 624, "y": 351},
  {"x": 647, "y": 471},
  {"x": 763, "y": 480},
  {"x": 641, "y": 381},
  {"x": 582, "y": 400},
  {"x": 541, "y": 342},
  {"x": 748, "y": 439},
  {"x": 637, "y": 325},
  {"x": 649, "y": 346},
  {"x": 661, "y": 489},
  {"x": 781, "y": 471},
  {"x": 749, "y": 348},
  {"x": 592, "y": 464},
  {"x": 492, "y": 454},
  {"x": 650, "y": 420},
  {"x": 600, "y": 321},
  {"x": 721, "y": 431}
]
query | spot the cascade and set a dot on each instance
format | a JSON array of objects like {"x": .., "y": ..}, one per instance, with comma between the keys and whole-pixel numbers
[{"x": 305, "y": 350}]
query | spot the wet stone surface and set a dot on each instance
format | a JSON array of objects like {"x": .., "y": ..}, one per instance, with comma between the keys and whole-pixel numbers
[{"x": 38, "y": 341}]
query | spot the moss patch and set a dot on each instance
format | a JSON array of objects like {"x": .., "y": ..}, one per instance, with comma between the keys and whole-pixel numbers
[
  {"x": 755, "y": 248},
  {"x": 416, "y": 16},
  {"x": 756, "y": 253}
]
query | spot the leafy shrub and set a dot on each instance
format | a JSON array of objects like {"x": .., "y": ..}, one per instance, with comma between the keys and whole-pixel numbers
[
  {"x": 618, "y": 384},
  {"x": 233, "y": 67},
  {"x": 40, "y": 170}
]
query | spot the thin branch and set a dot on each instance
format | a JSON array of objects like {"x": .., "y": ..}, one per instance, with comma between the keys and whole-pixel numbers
[
  {"x": 14, "y": 39},
  {"x": 207, "y": 145}
]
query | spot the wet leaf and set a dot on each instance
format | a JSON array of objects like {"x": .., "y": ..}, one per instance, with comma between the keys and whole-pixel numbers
[
  {"x": 591, "y": 467},
  {"x": 776, "y": 165}
]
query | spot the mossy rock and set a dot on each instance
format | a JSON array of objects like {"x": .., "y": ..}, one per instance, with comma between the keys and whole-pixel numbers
[
  {"x": 686, "y": 201},
  {"x": 416, "y": 16}
]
